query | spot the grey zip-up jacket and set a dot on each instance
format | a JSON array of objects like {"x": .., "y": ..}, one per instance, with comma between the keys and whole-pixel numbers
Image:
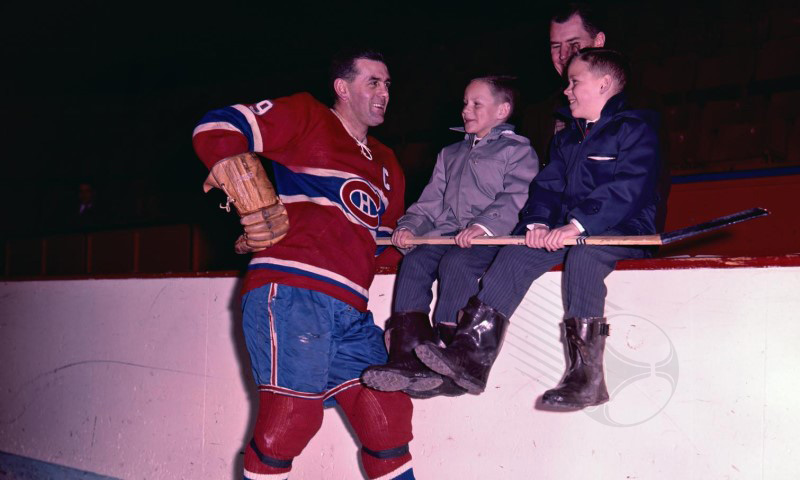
[{"x": 486, "y": 184}]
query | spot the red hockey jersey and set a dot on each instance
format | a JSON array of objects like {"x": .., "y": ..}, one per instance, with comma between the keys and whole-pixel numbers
[{"x": 337, "y": 199}]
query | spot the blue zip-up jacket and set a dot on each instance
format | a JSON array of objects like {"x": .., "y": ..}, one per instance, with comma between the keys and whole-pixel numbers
[{"x": 606, "y": 179}]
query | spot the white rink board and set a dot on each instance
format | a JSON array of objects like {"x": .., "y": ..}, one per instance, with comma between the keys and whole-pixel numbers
[{"x": 148, "y": 378}]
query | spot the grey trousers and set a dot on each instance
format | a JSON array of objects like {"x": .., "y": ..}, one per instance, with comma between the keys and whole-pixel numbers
[
  {"x": 583, "y": 281},
  {"x": 458, "y": 270}
]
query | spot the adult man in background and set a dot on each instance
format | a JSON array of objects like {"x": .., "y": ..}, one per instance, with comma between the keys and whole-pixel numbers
[{"x": 573, "y": 27}]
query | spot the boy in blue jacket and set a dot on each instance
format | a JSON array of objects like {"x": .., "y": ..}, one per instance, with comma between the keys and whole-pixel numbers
[{"x": 601, "y": 180}]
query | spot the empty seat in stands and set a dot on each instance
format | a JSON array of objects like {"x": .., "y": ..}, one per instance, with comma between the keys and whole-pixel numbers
[
  {"x": 784, "y": 23},
  {"x": 739, "y": 111},
  {"x": 783, "y": 115},
  {"x": 778, "y": 59},
  {"x": 784, "y": 104},
  {"x": 733, "y": 67},
  {"x": 681, "y": 117},
  {"x": 751, "y": 29},
  {"x": 737, "y": 142},
  {"x": 111, "y": 252},
  {"x": 793, "y": 148},
  {"x": 163, "y": 249},
  {"x": 673, "y": 74},
  {"x": 65, "y": 254},
  {"x": 682, "y": 151}
]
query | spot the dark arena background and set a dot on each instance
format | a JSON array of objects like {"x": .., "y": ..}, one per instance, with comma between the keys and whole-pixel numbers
[
  {"x": 121, "y": 348},
  {"x": 107, "y": 95}
]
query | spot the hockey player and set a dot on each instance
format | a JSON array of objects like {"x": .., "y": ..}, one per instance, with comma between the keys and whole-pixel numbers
[{"x": 305, "y": 318}]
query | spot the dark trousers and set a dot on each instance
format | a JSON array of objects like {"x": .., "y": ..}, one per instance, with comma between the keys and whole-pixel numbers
[
  {"x": 458, "y": 269},
  {"x": 583, "y": 282}
]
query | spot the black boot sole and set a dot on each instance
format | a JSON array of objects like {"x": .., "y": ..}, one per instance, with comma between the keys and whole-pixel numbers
[
  {"x": 387, "y": 380},
  {"x": 571, "y": 406},
  {"x": 448, "y": 388},
  {"x": 434, "y": 359}
]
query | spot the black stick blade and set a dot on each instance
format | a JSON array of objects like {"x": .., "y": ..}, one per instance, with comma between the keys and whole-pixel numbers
[{"x": 715, "y": 224}]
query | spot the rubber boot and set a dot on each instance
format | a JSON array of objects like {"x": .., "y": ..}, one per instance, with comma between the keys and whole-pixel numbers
[
  {"x": 404, "y": 371},
  {"x": 475, "y": 346},
  {"x": 584, "y": 383},
  {"x": 448, "y": 387}
]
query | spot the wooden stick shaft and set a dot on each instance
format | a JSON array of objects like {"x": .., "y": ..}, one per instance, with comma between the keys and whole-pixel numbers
[{"x": 520, "y": 240}]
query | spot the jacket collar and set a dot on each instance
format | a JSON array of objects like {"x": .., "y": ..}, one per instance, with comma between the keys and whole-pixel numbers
[
  {"x": 614, "y": 105},
  {"x": 493, "y": 133}
]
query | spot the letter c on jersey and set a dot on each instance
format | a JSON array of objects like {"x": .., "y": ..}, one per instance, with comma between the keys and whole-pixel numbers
[{"x": 386, "y": 180}]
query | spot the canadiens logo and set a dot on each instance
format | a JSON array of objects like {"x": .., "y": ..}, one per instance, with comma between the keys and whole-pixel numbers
[{"x": 362, "y": 201}]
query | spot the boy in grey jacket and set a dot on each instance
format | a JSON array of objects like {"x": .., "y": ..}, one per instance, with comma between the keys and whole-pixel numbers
[{"x": 477, "y": 188}]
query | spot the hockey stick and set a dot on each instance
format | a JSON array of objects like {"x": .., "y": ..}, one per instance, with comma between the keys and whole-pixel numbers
[{"x": 662, "y": 239}]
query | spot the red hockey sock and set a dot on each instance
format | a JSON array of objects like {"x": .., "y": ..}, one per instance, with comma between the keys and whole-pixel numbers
[
  {"x": 382, "y": 421},
  {"x": 283, "y": 428}
]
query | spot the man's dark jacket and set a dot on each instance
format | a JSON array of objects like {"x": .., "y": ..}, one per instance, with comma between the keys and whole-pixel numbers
[{"x": 606, "y": 179}]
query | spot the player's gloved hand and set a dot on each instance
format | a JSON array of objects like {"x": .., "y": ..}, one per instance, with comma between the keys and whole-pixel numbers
[
  {"x": 263, "y": 229},
  {"x": 464, "y": 237}
]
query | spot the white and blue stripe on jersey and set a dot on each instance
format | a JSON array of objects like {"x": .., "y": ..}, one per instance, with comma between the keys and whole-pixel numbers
[
  {"x": 359, "y": 200},
  {"x": 238, "y": 118}
]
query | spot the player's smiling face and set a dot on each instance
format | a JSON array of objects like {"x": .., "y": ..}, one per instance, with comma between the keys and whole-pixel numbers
[{"x": 369, "y": 92}]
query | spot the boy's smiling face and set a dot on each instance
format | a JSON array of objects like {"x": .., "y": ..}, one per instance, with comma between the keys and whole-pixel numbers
[
  {"x": 586, "y": 91},
  {"x": 482, "y": 110}
]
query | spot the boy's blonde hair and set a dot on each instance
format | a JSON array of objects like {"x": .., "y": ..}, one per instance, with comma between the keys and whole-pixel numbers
[{"x": 503, "y": 88}]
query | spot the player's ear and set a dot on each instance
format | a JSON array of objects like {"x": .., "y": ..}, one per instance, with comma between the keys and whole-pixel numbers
[{"x": 341, "y": 88}]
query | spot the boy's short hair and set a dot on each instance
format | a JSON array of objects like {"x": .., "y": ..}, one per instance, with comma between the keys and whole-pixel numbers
[
  {"x": 503, "y": 88},
  {"x": 604, "y": 61},
  {"x": 591, "y": 19}
]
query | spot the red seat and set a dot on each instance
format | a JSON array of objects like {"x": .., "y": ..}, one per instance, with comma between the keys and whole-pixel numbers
[
  {"x": 673, "y": 74},
  {"x": 733, "y": 67},
  {"x": 778, "y": 59},
  {"x": 738, "y": 142}
]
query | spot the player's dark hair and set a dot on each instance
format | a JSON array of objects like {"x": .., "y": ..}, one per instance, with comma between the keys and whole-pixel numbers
[
  {"x": 343, "y": 64},
  {"x": 503, "y": 88},
  {"x": 591, "y": 19},
  {"x": 604, "y": 61}
]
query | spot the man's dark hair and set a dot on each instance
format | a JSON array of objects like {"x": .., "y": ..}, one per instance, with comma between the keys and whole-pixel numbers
[
  {"x": 592, "y": 22},
  {"x": 343, "y": 64},
  {"x": 604, "y": 61},
  {"x": 503, "y": 87}
]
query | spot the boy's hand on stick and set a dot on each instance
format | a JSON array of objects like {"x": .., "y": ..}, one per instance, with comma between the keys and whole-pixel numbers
[
  {"x": 534, "y": 238},
  {"x": 464, "y": 237},
  {"x": 554, "y": 240},
  {"x": 400, "y": 237}
]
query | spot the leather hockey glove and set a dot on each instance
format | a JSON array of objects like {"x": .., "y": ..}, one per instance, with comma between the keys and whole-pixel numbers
[{"x": 244, "y": 181}]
